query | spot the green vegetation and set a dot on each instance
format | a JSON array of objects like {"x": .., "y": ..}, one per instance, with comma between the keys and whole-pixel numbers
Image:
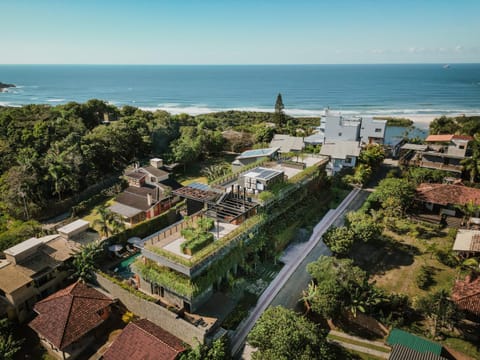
[
  {"x": 279, "y": 114},
  {"x": 281, "y": 334},
  {"x": 219, "y": 350},
  {"x": 439, "y": 310},
  {"x": 107, "y": 221},
  {"x": 127, "y": 287},
  {"x": 339, "y": 285},
  {"x": 148, "y": 227},
  {"x": 84, "y": 261},
  {"x": 166, "y": 277},
  {"x": 247, "y": 301},
  {"x": 339, "y": 240},
  {"x": 394, "y": 121},
  {"x": 463, "y": 125},
  {"x": 241, "y": 231},
  {"x": 393, "y": 195},
  {"x": 197, "y": 237},
  {"x": 359, "y": 343},
  {"x": 463, "y": 346},
  {"x": 14, "y": 231},
  {"x": 370, "y": 160},
  {"x": 9, "y": 346}
]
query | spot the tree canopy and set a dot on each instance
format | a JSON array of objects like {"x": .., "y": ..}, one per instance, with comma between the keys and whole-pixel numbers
[{"x": 281, "y": 334}]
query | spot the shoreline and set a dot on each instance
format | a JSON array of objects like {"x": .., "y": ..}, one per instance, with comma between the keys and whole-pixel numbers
[{"x": 421, "y": 120}]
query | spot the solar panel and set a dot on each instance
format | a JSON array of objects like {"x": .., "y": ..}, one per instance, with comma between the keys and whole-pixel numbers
[{"x": 200, "y": 186}]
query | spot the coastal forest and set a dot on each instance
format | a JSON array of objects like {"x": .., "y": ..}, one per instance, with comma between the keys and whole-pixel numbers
[{"x": 52, "y": 157}]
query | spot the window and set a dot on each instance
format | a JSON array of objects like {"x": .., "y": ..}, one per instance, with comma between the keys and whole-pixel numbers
[
  {"x": 461, "y": 147},
  {"x": 377, "y": 130},
  {"x": 339, "y": 134},
  {"x": 348, "y": 160}
]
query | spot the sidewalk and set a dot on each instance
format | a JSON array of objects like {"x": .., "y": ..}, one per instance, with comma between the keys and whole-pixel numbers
[{"x": 359, "y": 348}]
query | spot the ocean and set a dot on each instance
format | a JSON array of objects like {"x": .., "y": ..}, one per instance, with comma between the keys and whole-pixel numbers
[{"x": 306, "y": 89}]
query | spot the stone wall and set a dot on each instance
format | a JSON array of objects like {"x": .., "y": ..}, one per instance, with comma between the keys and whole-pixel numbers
[{"x": 157, "y": 314}]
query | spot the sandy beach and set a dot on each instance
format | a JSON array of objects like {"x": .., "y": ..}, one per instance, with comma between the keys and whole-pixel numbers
[{"x": 424, "y": 120}]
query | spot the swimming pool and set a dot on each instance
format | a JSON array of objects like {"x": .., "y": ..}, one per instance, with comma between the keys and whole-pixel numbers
[{"x": 123, "y": 269}]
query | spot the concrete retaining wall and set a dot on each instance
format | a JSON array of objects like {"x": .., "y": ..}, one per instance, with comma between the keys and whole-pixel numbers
[{"x": 157, "y": 314}]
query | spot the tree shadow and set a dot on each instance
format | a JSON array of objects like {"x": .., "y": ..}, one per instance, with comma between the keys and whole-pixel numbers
[{"x": 383, "y": 255}]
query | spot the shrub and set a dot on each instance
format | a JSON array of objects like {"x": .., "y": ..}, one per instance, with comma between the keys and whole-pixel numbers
[
  {"x": 197, "y": 243},
  {"x": 339, "y": 240},
  {"x": 424, "y": 278},
  {"x": 446, "y": 257}
]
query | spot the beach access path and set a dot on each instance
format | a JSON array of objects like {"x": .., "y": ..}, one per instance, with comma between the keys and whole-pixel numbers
[{"x": 286, "y": 288}]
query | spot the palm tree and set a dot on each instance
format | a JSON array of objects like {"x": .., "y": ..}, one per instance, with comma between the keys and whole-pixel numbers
[
  {"x": 116, "y": 224},
  {"x": 104, "y": 220},
  {"x": 84, "y": 261},
  {"x": 471, "y": 265},
  {"x": 472, "y": 166},
  {"x": 308, "y": 295}
]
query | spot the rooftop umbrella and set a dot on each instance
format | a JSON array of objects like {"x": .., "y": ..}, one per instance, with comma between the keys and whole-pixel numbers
[
  {"x": 135, "y": 240},
  {"x": 115, "y": 248}
]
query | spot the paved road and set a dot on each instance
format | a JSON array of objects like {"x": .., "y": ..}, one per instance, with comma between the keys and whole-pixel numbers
[
  {"x": 290, "y": 293},
  {"x": 295, "y": 266}
]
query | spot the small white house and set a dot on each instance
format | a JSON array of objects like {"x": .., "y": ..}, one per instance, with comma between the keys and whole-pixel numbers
[{"x": 342, "y": 154}]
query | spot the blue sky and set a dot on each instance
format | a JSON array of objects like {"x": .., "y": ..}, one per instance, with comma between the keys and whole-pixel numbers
[{"x": 239, "y": 31}]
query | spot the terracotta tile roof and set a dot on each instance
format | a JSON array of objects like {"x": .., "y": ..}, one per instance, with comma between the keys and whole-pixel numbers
[
  {"x": 466, "y": 294},
  {"x": 144, "y": 340},
  {"x": 447, "y": 138},
  {"x": 444, "y": 194},
  {"x": 69, "y": 314}
]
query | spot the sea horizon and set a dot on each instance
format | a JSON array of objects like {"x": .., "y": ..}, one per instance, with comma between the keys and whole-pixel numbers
[{"x": 420, "y": 90}]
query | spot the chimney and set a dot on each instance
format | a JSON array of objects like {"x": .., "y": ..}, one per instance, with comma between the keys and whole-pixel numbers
[
  {"x": 149, "y": 199},
  {"x": 156, "y": 163}
]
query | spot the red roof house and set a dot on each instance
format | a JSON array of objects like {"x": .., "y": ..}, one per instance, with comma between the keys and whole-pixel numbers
[
  {"x": 66, "y": 317},
  {"x": 143, "y": 340},
  {"x": 447, "y": 138},
  {"x": 466, "y": 294},
  {"x": 446, "y": 194}
]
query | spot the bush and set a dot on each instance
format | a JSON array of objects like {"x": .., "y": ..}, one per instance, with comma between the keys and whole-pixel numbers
[
  {"x": 339, "y": 240},
  {"x": 197, "y": 243},
  {"x": 424, "y": 278},
  {"x": 446, "y": 257}
]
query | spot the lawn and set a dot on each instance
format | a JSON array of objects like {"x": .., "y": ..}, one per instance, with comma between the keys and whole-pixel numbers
[
  {"x": 463, "y": 346},
  {"x": 194, "y": 171},
  {"x": 92, "y": 215},
  {"x": 395, "y": 263},
  {"x": 359, "y": 343}
]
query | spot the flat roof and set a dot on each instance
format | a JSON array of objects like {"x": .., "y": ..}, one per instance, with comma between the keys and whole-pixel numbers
[
  {"x": 263, "y": 173},
  {"x": 29, "y": 244},
  {"x": 258, "y": 153},
  {"x": 467, "y": 240},
  {"x": 315, "y": 139},
  {"x": 416, "y": 147},
  {"x": 74, "y": 226}
]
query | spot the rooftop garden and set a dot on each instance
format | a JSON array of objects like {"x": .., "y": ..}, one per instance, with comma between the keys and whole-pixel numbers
[
  {"x": 165, "y": 277},
  {"x": 197, "y": 237},
  {"x": 212, "y": 248}
]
